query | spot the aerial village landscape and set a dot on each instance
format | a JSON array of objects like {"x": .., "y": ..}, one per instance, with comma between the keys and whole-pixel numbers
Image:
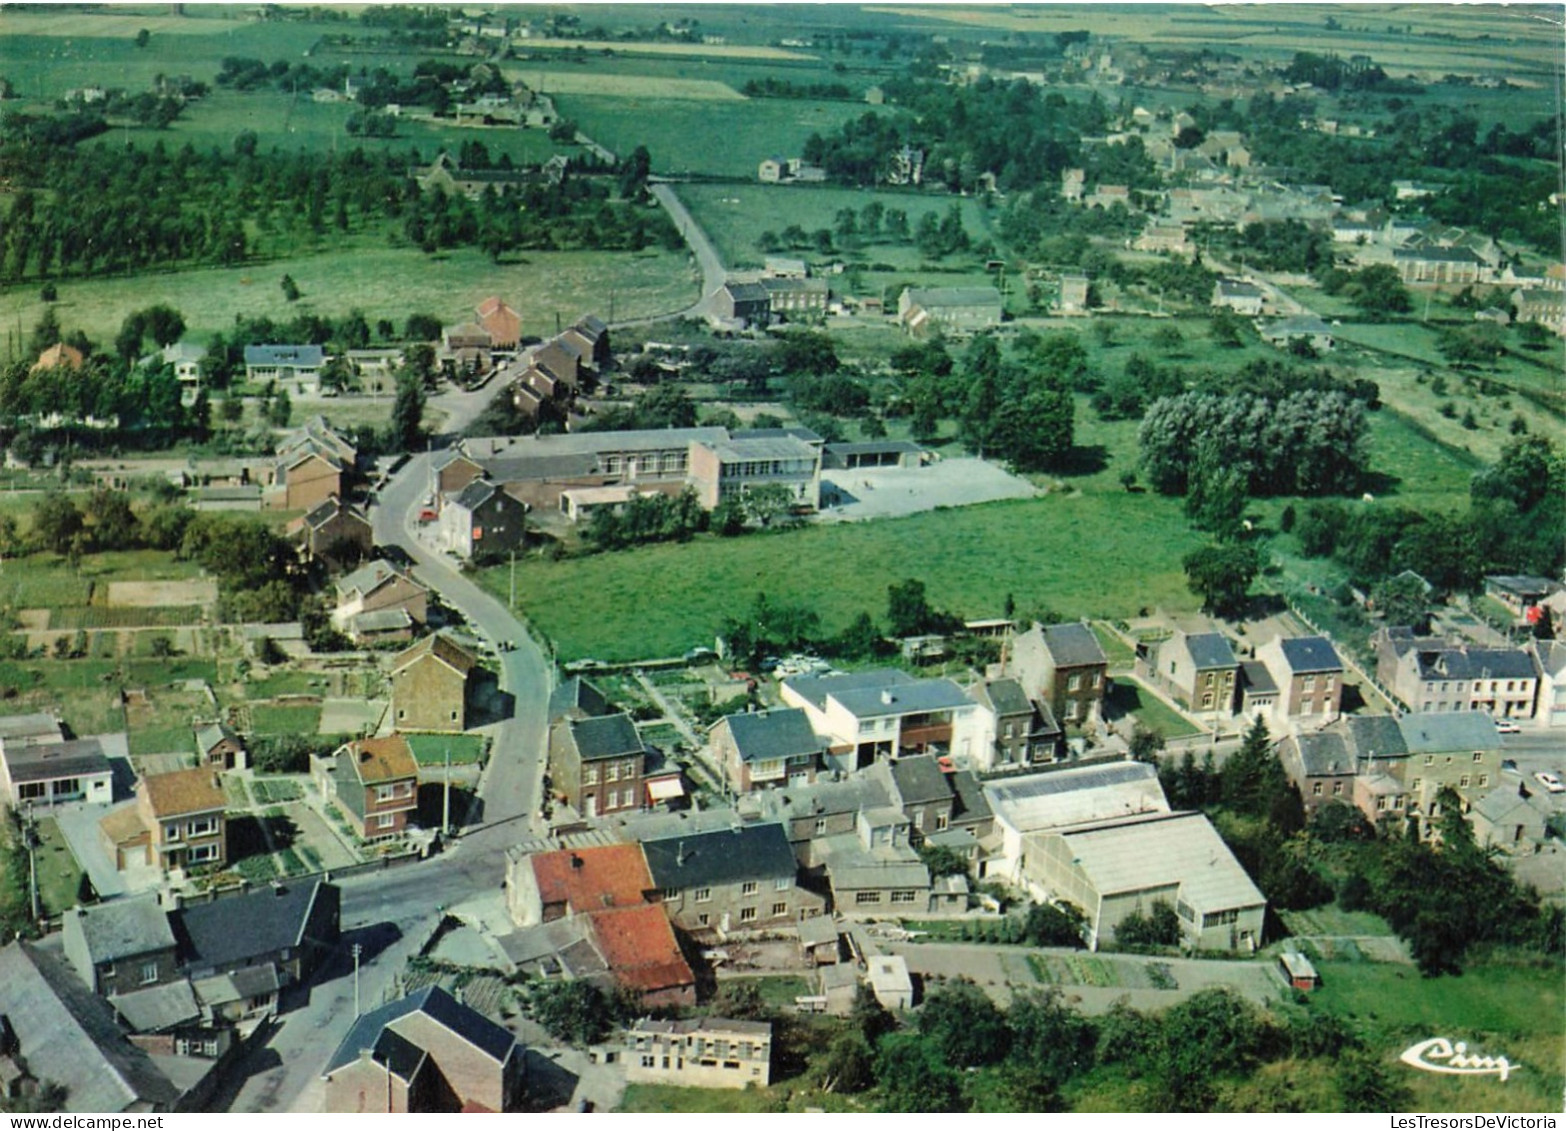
[{"x": 782, "y": 558}]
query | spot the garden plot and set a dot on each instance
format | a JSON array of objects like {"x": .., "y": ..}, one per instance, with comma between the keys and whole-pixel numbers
[
  {"x": 351, "y": 716},
  {"x": 161, "y": 594}
]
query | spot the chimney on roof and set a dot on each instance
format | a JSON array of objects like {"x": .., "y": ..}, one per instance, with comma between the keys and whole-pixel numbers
[
  {"x": 887, "y": 697},
  {"x": 679, "y": 854},
  {"x": 576, "y": 861}
]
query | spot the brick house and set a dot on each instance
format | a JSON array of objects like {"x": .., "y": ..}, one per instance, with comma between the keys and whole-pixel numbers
[
  {"x": 597, "y": 764},
  {"x": 503, "y": 324},
  {"x": 562, "y": 360},
  {"x": 1015, "y": 731},
  {"x": 376, "y": 783},
  {"x": 1199, "y": 669},
  {"x": 182, "y": 812},
  {"x": 1309, "y": 675},
  {"x": 1063, "y": 666},
  {"x": 426, "y": 1053},
  {"x": 314, "y": 464},
  {"x": 750, "y": 303},
  {"x": 336, "y": 532},
  {"x": 764, "y": 749},
  {"x": 1321, "y": 765},
  {"x": 430, "y": 685},
  {"x": 590, "y": 336},
  {"x": 736, "y": 879},
  {"x": 220, "y": 748}
]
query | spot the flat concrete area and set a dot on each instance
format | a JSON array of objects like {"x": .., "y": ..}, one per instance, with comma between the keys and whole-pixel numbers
[{"x": 888, "y": 492}]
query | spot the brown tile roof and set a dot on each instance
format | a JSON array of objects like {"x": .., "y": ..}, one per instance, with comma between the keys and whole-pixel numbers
[
  {"x": 183, "y": 791},
  {"x": 57, "y": 355},
  {"x": 386, "y": 759},
  {"x": 591, "y": 879},
  {"x": 639, "y": 945},
  {"x": 443, "y": 648},
  {"x": 123, "y": 828}
]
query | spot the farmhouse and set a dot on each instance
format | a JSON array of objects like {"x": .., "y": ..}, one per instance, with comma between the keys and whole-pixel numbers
[
  {"x": 747, "y": 304},
  {"x": 1306, "y": 328},
  {"x": 503, "y": 324},
  {"x": 953, "y": 310}
]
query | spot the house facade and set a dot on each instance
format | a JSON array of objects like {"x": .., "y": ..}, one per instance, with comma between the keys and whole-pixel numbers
[
  {"x": 1433, "y": 674},
  {"x": 956, "y": 310},
  {"x": 877, "y": 714},
  {"x": 707, "y": 1052},
  {"x": 49, "y": 773},
  {"x": 1064, "y": 666},
  {"x": 767, "y": 749},
  {"x": 183, "y": 812},
  {"x": 737, "y": 879},
  {"x": 1309, "y": 677},
  {"x": 337, "y": 533},
  {"x": 1199, "y": 669},
  {"x": 597, "y": 764},
  {"x": 376, "y": 783},
  {"x": 378, "y": 587},
  {"x": 121, "y": 945},
  {"x": 429, "y": 682},
  {"x": 482, "y": 519}
]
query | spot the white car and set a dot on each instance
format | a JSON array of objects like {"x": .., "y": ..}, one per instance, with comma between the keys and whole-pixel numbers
[
  {"x": 1507, "y": 726},
  {"x": 1549, "y": 781}
]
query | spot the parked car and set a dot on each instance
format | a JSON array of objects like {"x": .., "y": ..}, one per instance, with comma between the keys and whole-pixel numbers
[
  {"x": 1507, "y": 726},
  {"x": 1549, "y": 781}
]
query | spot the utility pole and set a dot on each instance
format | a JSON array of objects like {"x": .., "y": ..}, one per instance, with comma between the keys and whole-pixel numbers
[
  {"x": 445, "y": 805},
  {"x": 513, "y": 603},
  {"x": 357, "y": 949}
]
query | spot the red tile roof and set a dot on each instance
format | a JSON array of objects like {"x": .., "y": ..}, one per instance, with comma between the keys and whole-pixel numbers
[
  {"x": 639, "y": 945},
  {"x": 592, "y": 879},
  {"x": 377, "y": 760}
]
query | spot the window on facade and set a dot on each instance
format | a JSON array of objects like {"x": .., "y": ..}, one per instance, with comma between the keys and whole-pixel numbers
[
  {"x": 867, "y": 897},
  {"x": 1478, "y": 756},
  {"x": 902, "y": 897},
  {"x": 649, "y": 1061},
  {"x": 612, "y": 772},
  {"x": 747, "y": 914},
  {"x": 1337, "y": 789},
  {"x": 149, "y": 973},
  {"x": 1484, "y": 780},
  {"x": 941, "y": 821},
  {"x": 171, "y": 832},
  {"x": 589, "y": 775},
  {"x": 703, "y": 919},
  {"x": 820, "y": 825},
  {"x": 1310, "y": 683},
  {"x": 203, "y": 853},
  {"x": 1462, "y": 782},
  {"x": 1073, "y": 683},
  {"x": 386, "y": 820},
  {"x": 749, "y": 887},
  {"x": 702, "y": 895},
  {"x": 1315, "y": 789},
  {"x": 779, "y": 909},
  {"x": 783, "y": 883}
]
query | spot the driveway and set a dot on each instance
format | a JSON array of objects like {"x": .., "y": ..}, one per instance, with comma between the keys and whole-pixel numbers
[{"x": 853, "y": 496}]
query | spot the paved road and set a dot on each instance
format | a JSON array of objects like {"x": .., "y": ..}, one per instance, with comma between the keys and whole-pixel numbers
[
  {"x": 390, "y": 914},
  {"x": 712, "y": 270}
]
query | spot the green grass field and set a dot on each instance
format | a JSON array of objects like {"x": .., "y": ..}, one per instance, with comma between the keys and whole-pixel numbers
[
  {"x": 1152, "y": 712},
  {"x": 1499, "y": 1008},
  {"x": 1080, "y": 553},
  {"x": 271, "y": 719},
  {"x": 683, "y": 136},
  {"x": 383, "y": 282},
  {"x": 59, "y": 875},
  {"x": 735, "y": 216},
  {"x": 431, "y": 749}
]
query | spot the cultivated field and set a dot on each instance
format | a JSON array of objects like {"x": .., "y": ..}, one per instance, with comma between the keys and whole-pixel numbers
[
  {"x": 696, "y": 50},
  {"x": 623, "y": 85},
  {"x": 384, "y": 283}
]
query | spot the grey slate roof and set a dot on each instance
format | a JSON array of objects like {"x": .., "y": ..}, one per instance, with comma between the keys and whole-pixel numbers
[
  {"x": 157, "y": 1007},
  {"x": 123, "y": 928},
  {"x": 972, "y": 806},
  {"x": 1255, "y": 677},
  {"x": 436, "y": 1004},
  {"x": 607, "y": 736},
  {"x": 45, "y": 760},
  {"x": 1310, "y": 654},
  {"x": 1324, "y": 753},
  {"x": 1523, "y": 585},
  {"x": 816, "y": 688},
  {"x": 1073, "y": 644},
  {"x": 1440, "y": 732},
  {"x": 248, "y": 982},
  {"x": 1375, "y": 736},
  {"x": 577, "y": 693},
  {"x": 919, "y": 779},
  {"x": 1476, "y": 663},
  {"x": 369, "y": 577},
  {"x": 1006, "y": 696},
  {"x": 1210, "y": 650},
  {"x": 209, "y": 736},
  {"x": 744, "y": 852},
  {"x": 475, "y": 494},
  {"x": 914, "y": 697},
  {"x": 824, "y": 797},
  {"x": 240, "y": 928},
  {"x": 764, "y": 736},
  {"x": 71, "y": 1036}
]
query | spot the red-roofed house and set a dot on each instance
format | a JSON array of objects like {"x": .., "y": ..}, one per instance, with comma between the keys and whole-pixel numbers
[
  {"x": 608, "y": 887},
  {"x": 503, "y": 323},
  {"x": 57, "y": 356},
  {"x": 639, "y": 946}
]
